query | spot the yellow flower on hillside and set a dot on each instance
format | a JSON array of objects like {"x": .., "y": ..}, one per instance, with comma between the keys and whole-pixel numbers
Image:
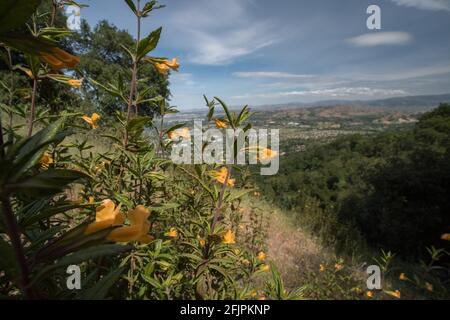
[
  {"x": 221, "y": 175},
  {"x": 172, "y": 64},
  {"x": 228, "y": 237},
  {"x": 369, "y": 294},
  {"x": 221, "y": 124},
  {"x": 246, "y": 262},
  {"x": 92, "y": 120},
  {"x": 91, "y": 200},
  {"x": 46, "y": 160},
  {"x": 267, "y": 154},
  {"x": 183, "y": 133},
  {"x": 137, "y": 230},
  {"x": 403, "y": 277},
  {"x": 429, "y": 286},
  {"x": 321, "y": 268},
  {"x": 446, "y": 236},
  {"x": 395, "y": 294},
  {"x": 261, "y": 256},
  {"x": 162, "y": 68},
  {"x": 74, "y": 83},
  {"x": 106, "y": 215},
  {"x": 202, "y": 242},
  {"x": 172, "y": 233},
  {"x": 264, "y": 268}
]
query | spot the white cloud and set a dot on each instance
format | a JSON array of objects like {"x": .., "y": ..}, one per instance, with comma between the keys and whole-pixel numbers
[
  {"x": 425, "y": 4},
  {"x": 215, "y": 33},
  {"x": 182, "y": 78},
  {"x": 381, "y": 38},
  {"x": 271, "y": 74},
  {"x": 344, "y": 92}
]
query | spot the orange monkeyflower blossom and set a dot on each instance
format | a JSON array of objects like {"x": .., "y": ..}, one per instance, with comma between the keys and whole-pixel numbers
[
  {"x": 369, "y": 294},
  {"x": 74, "y": 83},
  {"x": 228, "y": 237},
  {"x": 266, "y": 154},
  {"x": 395, "y": 294},
  {"x": 221, "y": 124},
  {"x": 162, "y": 68},
  {"x": 137, "y": 230},
  {"x": 91, "y": 200},
  {"x": 92, "y": 120},
  {"x": 172, "y": 64},
  {"x": 446, "y": 236},
  {"x": 261, "y": 256},
  {"x": 338, "y": 266},
  {"x": 106, "y": 215},
  {"x": 183, "y": 133},
  {"x": 264, "y": 268},
  {"x": 172, "y": 233},
  {"x": 59, "y": 59},
  {"x": 221, "y": 175},
  {"x": 321, "y": 268},
  {"x": 429, "y": 286},
  {"x": 46, "y": 160},
  {"x": 403, "y": 277}
]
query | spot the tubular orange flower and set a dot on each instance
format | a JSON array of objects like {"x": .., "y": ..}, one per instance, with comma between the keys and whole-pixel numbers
[
  {"x": 221, "y": 175},
  {"x": 221, "y": 124},
  {"x": 74, "y": 83},
  {"x": 183, "y": 133},
  {"x": 172, "y": 233},
  {"x": 338, "y": 266},
  {"x": 161, "y": 68},
  {"x": 137, "y": 230},
  {"x": 202, "y": 242},
  {"x": 91, "y": 200},
  {"x": 429, "y": 286},
  {"x": 228, "y": 237},
  {"x": 395, "y": 294},
  {"x": 322, "y": 268},
  {"x": 264, "y": 268},
  {"x": 403, "y": 277},
  {"x": 92, "y": 120},
  {"x": 369, "y": 294},
  {"x": 261, "y": 256},
  {"x": 267, "y": 154},
  {"x": 106, "y": 215},
  {"x": 59, "y": 59},
  {"x": 172, "y": 64},
  {"x": 46, "y": 160},
  {"x": 446, "y": 236}
]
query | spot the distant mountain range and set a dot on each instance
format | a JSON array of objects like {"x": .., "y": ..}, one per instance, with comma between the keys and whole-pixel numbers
[{"x": 408, "y": 102}]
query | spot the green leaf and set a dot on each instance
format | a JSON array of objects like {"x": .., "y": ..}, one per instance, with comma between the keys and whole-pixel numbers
[
  {"x": 149, "y": 43},
  {"x": 83, "y": 256},
  {"x": 100, "y": 289},
  {"x": 132, "y": 6},
  {"x": 227, "y": 112},
  {"x": 14, "y": 13},
  {"x": 28, "y": 152},
  {"x": 137, "y": 124},
  {"x": 48, "y": 182},
  {"x": 8, "y": 262}
]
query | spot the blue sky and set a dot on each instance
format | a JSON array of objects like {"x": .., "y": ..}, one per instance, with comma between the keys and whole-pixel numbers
[{"x": 265, "y": 52}]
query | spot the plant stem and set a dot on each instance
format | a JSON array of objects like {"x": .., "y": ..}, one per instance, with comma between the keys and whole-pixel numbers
[
  {"x": 33, "y": 109},
  {"x": 133, "y": 86},
  {"x": 220, "y": 200},
  {"x": 14, "y": 236}
]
